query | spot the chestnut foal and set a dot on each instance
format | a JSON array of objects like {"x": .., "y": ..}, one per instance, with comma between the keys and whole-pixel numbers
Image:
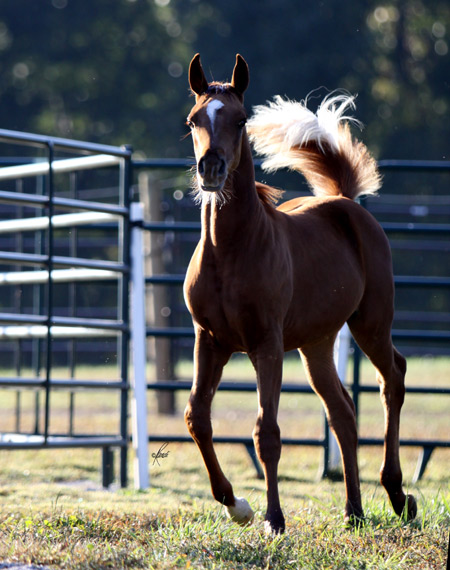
[{"x": 264, "y": 280}]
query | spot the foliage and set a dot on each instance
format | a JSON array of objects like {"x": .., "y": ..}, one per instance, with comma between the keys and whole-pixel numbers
[
  {"x": 116, "y": 72},
  {"x": 103, "y": 71}
]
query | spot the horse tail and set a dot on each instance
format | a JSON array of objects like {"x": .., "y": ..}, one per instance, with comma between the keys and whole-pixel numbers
[{"x": 319, "y": 145}]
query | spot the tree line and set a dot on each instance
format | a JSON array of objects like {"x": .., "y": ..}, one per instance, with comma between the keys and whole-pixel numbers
[{"x": 116, "y": 72}]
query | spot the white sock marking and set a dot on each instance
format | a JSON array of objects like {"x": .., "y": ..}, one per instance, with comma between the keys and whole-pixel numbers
[
  {"x": 212, "y": 109},
  {"x": 241, "y": 512}
]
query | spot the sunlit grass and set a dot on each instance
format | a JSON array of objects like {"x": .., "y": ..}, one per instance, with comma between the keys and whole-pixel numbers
[
  {"x": 151, "y": 530},
  {"x": 55, "y": 512}
]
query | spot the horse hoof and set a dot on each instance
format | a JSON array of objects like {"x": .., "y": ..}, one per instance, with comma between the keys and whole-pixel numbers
[
  {"x": 407, "y": 508},
  {"x": 271, "y": 529},
  {"x": 411, "y": 507},
  {"x": 354, "y": 521},
  {"x": 274, "y": 525},
  {"x": 353, "y": 515},
  {"x": 241, "y": 512}
]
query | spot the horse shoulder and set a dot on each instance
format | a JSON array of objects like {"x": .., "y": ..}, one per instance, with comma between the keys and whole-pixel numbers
[{"x": 200, "y": 278}]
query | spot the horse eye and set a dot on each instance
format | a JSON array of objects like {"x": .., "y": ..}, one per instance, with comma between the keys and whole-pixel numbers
[
  {"x": 242, "y": 123},
  {"x": 190, "y": 124}
]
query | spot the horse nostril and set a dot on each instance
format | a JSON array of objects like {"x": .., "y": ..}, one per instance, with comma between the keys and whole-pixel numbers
[
  {"x": 201, "y": 166},
  {"x": 211, "y": 166}
]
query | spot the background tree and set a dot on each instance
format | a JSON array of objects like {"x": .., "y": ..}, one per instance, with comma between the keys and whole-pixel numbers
[
  {"x": 116, "y": 72},
  {"x": 394, "y": 55}
]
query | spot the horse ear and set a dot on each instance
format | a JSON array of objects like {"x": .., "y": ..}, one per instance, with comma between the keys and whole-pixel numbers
[
  {"x": 241, "y": 77},
  {"x": 197, "y": 79}
]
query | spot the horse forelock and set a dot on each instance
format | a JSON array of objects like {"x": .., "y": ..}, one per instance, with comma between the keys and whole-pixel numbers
[{"x": 218, "y": 88}]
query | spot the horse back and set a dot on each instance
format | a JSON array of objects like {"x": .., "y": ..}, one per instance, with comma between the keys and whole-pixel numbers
[
  {"x": 335, "y": 223},
  {"x": 340, "y": 254}
]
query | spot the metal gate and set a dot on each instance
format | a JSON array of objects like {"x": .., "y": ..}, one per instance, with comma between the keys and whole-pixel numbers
[{"x": 43, "y": 196}]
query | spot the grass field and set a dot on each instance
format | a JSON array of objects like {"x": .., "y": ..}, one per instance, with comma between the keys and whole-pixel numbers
[{"x": 53, "y": 510}]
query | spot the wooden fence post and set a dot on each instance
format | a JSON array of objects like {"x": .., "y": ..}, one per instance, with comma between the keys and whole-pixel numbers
[{"x": 158, "y": 311}]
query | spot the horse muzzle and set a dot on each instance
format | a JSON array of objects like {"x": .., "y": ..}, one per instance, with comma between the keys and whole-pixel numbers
[{"x": 212, "y": 172}]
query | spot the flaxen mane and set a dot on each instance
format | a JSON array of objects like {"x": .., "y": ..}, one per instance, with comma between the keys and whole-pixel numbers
[{"x": 268, "y": 195}]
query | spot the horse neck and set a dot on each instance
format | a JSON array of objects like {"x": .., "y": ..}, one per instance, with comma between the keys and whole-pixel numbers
[{"x": 221, "y": 223}]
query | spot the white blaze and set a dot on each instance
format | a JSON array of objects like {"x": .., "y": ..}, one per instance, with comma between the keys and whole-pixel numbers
[{"x": 212, "y": 109}]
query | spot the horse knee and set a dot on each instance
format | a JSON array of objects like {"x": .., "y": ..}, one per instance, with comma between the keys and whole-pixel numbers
[
  {"x": 197, "y": 422},
  {"x": 392, "y": 382},
  {"x": 400, "y": 362},
  {"x": 349, "y": 401},
  {"x": 189, "y": 418}
]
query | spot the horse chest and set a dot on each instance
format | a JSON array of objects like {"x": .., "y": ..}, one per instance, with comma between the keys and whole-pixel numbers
[{"x": 220, "y": 300}]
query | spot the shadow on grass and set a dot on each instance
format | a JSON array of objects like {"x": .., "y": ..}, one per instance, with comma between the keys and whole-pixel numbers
[
  {"x": 291, "y": 479},
  {"x": 192, "y": 493}
]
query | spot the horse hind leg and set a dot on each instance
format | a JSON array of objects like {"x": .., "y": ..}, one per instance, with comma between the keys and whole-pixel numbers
[
  {"x": 322, "y": 375},
  {"x": 392, "y": 391},
  {"x": 391, "y": 370}
]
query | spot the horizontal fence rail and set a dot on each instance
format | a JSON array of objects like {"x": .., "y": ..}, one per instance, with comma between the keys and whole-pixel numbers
[
  {"x": 63, "y": 384},
  {"x": 41, "y": 331},
  {"x": 40, "y": 201},
  {"x": 58, "y": 166},
  {"x": 25, "y": 441},
  {"x": 61, "y": 221},
  {"x": 57, "y": 276},
  {"x": 31, "y": 139}
]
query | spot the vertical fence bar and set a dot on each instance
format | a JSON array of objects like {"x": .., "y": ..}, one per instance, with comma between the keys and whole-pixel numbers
[
  {"x": 138, "y": 338},
  {"x": 18, "y": 302},
  {"x": 49, "y": 290},
  {"x": 38, "y": 303},
  {"x": 72, "y": 298},
  {"x": 125, "y": 188}
]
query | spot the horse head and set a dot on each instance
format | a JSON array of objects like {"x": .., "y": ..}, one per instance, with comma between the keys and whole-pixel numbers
[{"x": 217, "y": 123}]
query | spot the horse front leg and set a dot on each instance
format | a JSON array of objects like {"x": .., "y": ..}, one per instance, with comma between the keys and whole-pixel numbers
[
  {"x": 209, "y": 360},
  {"x": 268, "y": 362}
]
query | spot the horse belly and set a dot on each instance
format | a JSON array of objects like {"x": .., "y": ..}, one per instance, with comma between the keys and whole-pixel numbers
[{"x": 322, "y": 302}]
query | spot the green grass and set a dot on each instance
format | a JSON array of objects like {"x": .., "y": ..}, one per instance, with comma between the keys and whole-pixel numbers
[
  {"x": 153, "y": 529},
  {"x": 53, "y": 510}
]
